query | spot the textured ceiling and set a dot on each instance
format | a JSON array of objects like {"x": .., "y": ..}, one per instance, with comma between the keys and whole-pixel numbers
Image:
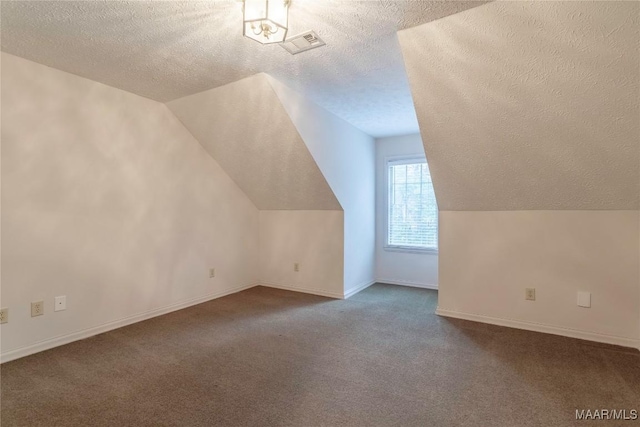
[
  {"x": 530, "y": 105},
  {"x": 165, "y": 50},
  {"x": 246, "y": 129}
]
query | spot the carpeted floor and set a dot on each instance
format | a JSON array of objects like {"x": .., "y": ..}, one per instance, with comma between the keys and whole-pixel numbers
[{"x": 266, "y": 357}]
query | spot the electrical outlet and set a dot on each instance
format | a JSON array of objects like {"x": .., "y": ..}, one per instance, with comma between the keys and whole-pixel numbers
[
  {"x": 212, "y": 273},
  {"x": 296, "y": 267},
  {"x": 37, "y": 308},
  {"x": 4, "y": 315},
  {"x": 60, "y": 303},
  {"x": 530, "y": 294}
]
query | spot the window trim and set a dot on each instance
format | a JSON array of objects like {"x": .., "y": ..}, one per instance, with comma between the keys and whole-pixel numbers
[{"x": 399, "y": 160}]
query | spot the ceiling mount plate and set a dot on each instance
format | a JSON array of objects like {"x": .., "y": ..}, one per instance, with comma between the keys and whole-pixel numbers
[{"x": 302, "y": 42}]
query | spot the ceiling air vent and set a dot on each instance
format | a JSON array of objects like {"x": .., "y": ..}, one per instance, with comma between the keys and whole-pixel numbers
[{"x": 302, "y": 42}]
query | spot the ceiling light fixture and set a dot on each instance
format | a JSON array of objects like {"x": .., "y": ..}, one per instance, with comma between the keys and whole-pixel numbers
[{"x": 266, "y": 21}]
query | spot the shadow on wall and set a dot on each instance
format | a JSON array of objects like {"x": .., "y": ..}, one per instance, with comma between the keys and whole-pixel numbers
[{"x": 115, "y": 198}]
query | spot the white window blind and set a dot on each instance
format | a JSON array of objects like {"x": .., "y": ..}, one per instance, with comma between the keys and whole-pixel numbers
[{"x": 413, "y": 212}]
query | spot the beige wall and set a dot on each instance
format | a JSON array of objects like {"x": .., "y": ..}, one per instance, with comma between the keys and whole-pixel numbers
[
  {"x": 346, "y": 157},
  {"x": 532, "y": 138},
  {"x": 246, "y": 129},
  {"x": 245, "y": 126},
  {"x": 314, "y": 240},
  {"x": 487, "y": 259},
  {"x": 107, "y": 199}
]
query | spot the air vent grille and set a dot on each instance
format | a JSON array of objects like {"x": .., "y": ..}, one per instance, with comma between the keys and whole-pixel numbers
[
  {"x": 311, "y": 38},
  {"x": 302, "y": 42}
]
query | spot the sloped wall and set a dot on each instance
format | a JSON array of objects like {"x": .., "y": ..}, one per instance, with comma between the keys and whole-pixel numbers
[
  {"x": 245, "y": 128},
  {"x": 346, "y": 157},
  {"x": 530, "y": 105},
  {"x": 107, "y": 199},
  {"x": 530, "y": 121}
]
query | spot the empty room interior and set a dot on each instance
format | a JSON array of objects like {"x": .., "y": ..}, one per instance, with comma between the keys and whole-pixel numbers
[{"x": 320, "y": 213}]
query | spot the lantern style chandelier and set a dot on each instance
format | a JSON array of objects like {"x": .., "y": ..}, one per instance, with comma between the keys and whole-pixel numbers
[{"x": 266, "y": 21}]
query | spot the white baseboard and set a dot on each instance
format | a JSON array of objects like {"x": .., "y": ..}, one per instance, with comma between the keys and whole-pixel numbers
[
  {"x": 318, "y": 292},
  {"x": 357, "y": 289},
  {"x": 89, "y": 332},
  {"x": 539, "y": 327},
  {"x": 407, "y": 283}
]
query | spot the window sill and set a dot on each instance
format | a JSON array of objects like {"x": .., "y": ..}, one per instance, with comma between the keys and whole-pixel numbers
[{"x": 412, "y": 249}]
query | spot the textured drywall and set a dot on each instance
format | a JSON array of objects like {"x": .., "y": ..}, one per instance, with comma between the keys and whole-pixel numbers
[
  {"x": 530, "y": 105},
  {"x": 346, "y": 157},
  {"x": 107, "y": 199},
  {"x": 487, "y": 259},
  {"x": 165, "y": 50},
  {"x": 245, "y": 128},
  {"x": 408, "y": 268}
]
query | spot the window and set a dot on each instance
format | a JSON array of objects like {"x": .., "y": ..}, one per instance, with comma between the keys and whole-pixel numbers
[{"x": 412, "y": 209}]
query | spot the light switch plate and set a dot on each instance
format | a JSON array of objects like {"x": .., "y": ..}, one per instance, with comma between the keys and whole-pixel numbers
[{"x": 584, "y": 299}]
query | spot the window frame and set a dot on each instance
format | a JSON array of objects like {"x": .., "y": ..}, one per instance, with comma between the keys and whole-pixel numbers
[{"x": 399, "y": 160}]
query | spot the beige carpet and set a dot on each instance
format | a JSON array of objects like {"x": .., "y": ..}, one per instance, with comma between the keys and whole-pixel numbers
[{"x": 267, "y": 357}]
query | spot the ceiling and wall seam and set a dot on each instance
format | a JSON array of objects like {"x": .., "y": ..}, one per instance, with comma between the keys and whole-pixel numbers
[
  {"x": 189, "y": 131},
  {"x": 171, "y": 49},
  {"x": 275, "y": 93}
]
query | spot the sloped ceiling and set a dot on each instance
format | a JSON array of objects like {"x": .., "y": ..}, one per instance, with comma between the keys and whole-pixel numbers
[
  {"x": 245, "y": 128},
  {"x": 530, "y": 105},
  {"x": 166, "y": 50}
]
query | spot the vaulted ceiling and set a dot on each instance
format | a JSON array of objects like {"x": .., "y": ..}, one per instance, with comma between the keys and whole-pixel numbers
[
  {"x": 165, "y": 50},
  {"x": 530, "y": 105},
  {"x": 521, "y": 105}
]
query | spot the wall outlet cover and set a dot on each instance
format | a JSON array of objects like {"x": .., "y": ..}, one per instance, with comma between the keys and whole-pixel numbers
[
  {"x": 37, "y": 308},
  {"x": 584, "y": 299},
  {"x": 530, "y": 294},
  {"x": 60, "y": 303}
]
